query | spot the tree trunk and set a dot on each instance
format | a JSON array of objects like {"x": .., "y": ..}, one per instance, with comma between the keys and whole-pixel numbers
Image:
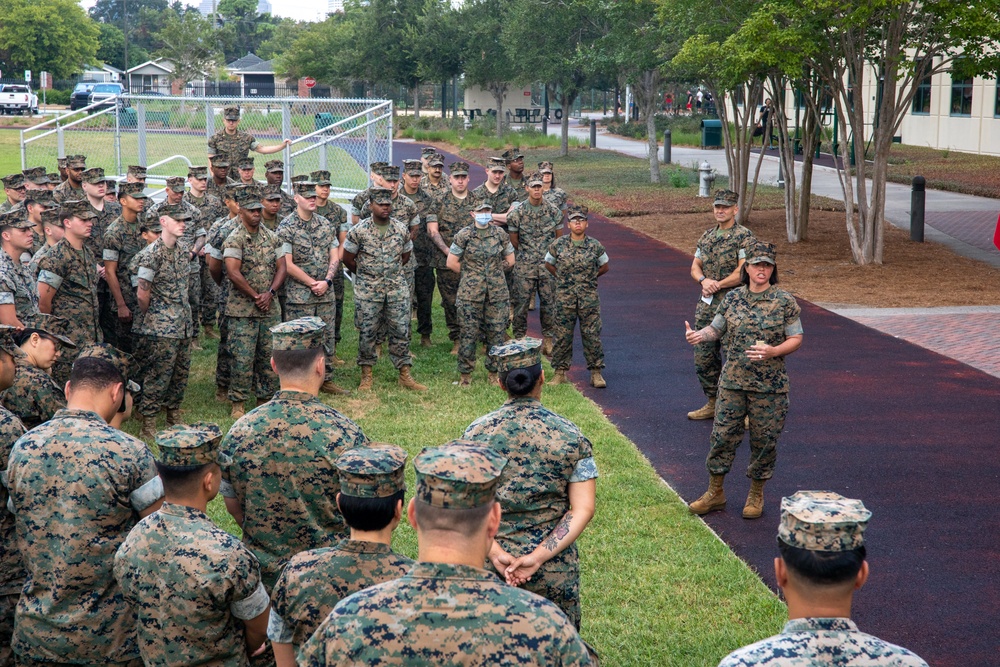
[
  {"x": 444, "y": 98},
  {"x": 654, "y": 157},
  {"x": 416, "y": 101},
  {"x": 647, "y": 90},
  {"x": 566, "y": 101},
  {"x": 737, "y": 148}
]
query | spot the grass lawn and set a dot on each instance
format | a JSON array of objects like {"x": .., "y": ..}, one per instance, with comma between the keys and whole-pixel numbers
[
  {"x": 945, "y": 170},
  {"x": 658, "y": 587}
]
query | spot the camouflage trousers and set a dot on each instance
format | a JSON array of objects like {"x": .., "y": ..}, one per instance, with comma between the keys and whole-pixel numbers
[
  {"x": 368, "y": 314},
  {"x": 767, "y": 413},
  {"x": 209, "y": 294},
  {"x": 569, "y": 311},
  {"x": 479, "y": 318},
  {"x": 383, "y": 327},
  {"x": 447, "y": 283},
  {"x": 324, "y": 311},
  {"x": 194, "y": 298},
  {"x": 707, "y": 355},
  {"x": 164, "y": 367},
  {"x": 7, "y": 604},
  {"x": 423, "y": 292},
  {"x": 224, "y": 359},
  {"x": 525, "y": 284},
  {"x": 249, "y": 343},
  {"x": 115, "y": 331},
  {"x": 338, "y": 295},
  {"x": 557, "y": 580}
]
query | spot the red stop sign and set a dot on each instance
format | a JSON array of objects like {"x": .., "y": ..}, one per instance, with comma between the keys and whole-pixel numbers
[{"x": 309, "y": 81}]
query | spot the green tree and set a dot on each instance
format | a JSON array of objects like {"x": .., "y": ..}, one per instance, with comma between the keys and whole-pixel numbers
[
  {"x": 242, "y": 30},
  {"x": 188, "y": 41},
  {"x": 439, "y": 41},
  {"x": 323, "y": 51},
  {"x": 111, "y": 11},
  {"x": 54, "y": 36},
  {"x": 491, "y": 63},
  {"x": 284, "y": 34}
]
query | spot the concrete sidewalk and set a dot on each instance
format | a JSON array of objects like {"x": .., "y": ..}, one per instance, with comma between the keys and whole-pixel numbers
[{"x": 964, "y": 223}]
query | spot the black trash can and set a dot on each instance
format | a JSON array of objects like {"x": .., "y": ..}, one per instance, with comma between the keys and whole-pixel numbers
[{"x": 711, "y": 133}]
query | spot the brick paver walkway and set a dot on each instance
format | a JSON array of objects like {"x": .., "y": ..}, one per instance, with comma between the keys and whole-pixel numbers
[
  {"x": 967, "y": 334},
  {"x": 973, "y": 227}
]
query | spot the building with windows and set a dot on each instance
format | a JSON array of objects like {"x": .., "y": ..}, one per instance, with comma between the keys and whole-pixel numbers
[{"x": 335, "y": 7}]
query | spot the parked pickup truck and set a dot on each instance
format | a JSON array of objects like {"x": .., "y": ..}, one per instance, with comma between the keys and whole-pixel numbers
[{"x": 18, "y": 98}]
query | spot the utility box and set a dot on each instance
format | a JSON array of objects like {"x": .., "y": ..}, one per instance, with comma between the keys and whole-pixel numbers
[{"x": 711, "y": 133}]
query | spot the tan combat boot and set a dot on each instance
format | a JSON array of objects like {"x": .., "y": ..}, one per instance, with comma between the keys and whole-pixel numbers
[
  {"x": 209, "y": 331},
  {"x": 465, "y": 380},
  {"x": 406, "y": 380},
  {"x": 711, "y": 500},
  {"x": 366, "y": 379},
  {"x": 493, "y": 378},
  {"x": 148, "y": 428},
  {"x": 330, "y": 387},
  {"x": 547, "y": 346},
  {"x": 597, "y": 380},
  {"x": 238, "y": 410},
  {"x": 335, "y": 360},
  {"x": 558, "y": 378},
  {"x": 454, "y": 348},
  {"x": 755, "y": 500},
  {"x": 222, "y": 394},
  {"x": 706, "y": 411},
  {"x": 196, "y": 346},
  {"x": 425, "y": 341},
  {"x": 174, "y": 417}
]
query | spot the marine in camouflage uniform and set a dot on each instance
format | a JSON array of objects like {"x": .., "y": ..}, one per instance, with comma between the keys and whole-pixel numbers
[
  {"x": 314, "y": 581},
  {"x": 17, "y": 289},
  {"x": 70, "y": 269},
  {"x": 103, "y": 216},
  {"x": 403, "y": 622},
  {"x": 69, "y": 523},
  {"x": 233, "y": 146},
  {"x": 13, "y": 185},
  {"x": 576, "y": 266},
  {"x": 192, "y": 585},
  {"x": 423, "y": 249},
  {"x": 718, "y": 257},
  {"x": 546, "y": 454},
  {"x": 254, "y": 253},
  {"x": 72, "y": 188},
  {"x": 211, "y": 209},
  {"x": 335, "y": 213},
  {"x": 553, "y": 195},
  {"x": 217, "y": 235},
  {"x": 514, "y": 160},
  {"x": 831, "y": 527},
  {"x": 483, "y": 302},
  {"x": 283, "y": 476},
  {"x": 435, "y": 161},
  {"x": 52, "y": 222},
  {"x": 218, "y": 179},
  {"x": 164, "y": 333},
  {"x": 34, "y": 397},
  {"x": 533, "y": 228},
  {"x": 122, "y": 241},
  {"x": 12, "y": 572},
  {"x": 311, "y": 246},
  {"x": 503, "y": 196},
  {"x": 274, "y": 172}
]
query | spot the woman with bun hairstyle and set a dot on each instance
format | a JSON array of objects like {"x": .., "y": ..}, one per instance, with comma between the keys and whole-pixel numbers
[{"x": 35, "y": 396}]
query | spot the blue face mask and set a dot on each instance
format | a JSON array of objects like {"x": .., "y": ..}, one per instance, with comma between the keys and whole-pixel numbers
[{"x": 483, "y": 219}]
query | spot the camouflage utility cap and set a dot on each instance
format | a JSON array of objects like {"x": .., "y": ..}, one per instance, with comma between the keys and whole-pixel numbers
[
  {"x": 245, "y": 163},
  {"x": 51, "y": 326},
  {"x": 304, "y": 333},
  {"x": 412, "y": 167},
  {"x": 77, "y": 208},
  {"x": 436, "y": 160},
  {"x": 577, "y": 211},
  {"x": 458, "y": 169},
  {"x": 458, "y": 475},
  {"x": 15, "y": 219},
  {"x": 520, "y": 353},
  {"x": 231, "y": 113},
  {"x": 134, "y": 190},
  {"x": 13, "y": 181},
  {"x": 186, "y": 445},
  {"x": 320, "y": 177},
  {"x": 61, "y": 162},
  {"x": 389, "y": 173},
  {"x": 534, "y": 178},
  {"x": 36, "y": 175},
  {"x": 375, "y": 471},
  {"x": 376, "y": 167},
  {"x": 93, "y": 175},
  {"x": 380, "y": 195},
  {"x": 120, "y": 360},
  {"x": 301, "y": 178},
  {"x": 76, "y": 161},
  {"x": 219, "y": 161},
  {"x": 272, "y": 191},
  {"x": 427, "y": 151},
  {"x": 136, "y": 170},
  {"x": 483, "y": 206},
  {"x": 178, "y": 212},
  {"x": 760, "y": 251},
  {"x": 50, "y": 216},
  {"x": 274, "y": 165},
  {"x": 43, "y": 197},
  {"x": 153, "y": 226},
  {"x": 545, "y": 167},
  {"x": 249, "y": 197},
  {"x": 175, "y": 184},
  {"x": 513, "y": 154},
  {"x": 230, "y": 190},
  {"x": 305, "y": 189},
  {"x": 7, "y": 341},
  {"x": 726, "y": 198},
  {"x": 822, "y": 521},
  {"x": 497, "y": 164},
  {"x": 112, "y": 184},
  {"x": 201, "y": 173}
]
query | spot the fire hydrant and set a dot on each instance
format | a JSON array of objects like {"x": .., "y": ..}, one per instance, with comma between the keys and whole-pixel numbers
[{"x": 706, "y": 179}]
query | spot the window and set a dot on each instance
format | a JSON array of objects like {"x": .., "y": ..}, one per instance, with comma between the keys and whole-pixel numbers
[
  {"x": 961, "y": 97},
  {"x": 922, "y": 95}
]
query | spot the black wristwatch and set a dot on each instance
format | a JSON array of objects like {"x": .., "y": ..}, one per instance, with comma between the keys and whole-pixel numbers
[
  {"x": 329, "y": 282},
  {"x": 271, "y": 290},
  {"x": 702, "y": 279}
]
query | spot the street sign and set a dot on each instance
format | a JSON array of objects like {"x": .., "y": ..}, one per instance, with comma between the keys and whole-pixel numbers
[
  {"x": 27, "y": 75},
  {"x": 309, "y": 81}
]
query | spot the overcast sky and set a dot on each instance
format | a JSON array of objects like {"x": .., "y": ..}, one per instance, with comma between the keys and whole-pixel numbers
[{"x": 300, "y": 10}]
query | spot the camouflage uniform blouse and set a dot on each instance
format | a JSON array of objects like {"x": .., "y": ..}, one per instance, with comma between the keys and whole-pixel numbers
[
  {"x": 166, "y": 270},
  {"x": 35, "y": 259},
  {"x": 66, "y": 192},
  {"x": 482, "y": 252},
  {"x": 193, "y": 230},
  {"x": 499, "y": 200},
  {"x": 235, "y": 147},
  {"x": 536, "y": 228},
  {"x": 520, "y": 187},
  {"x": 259, "y": 253},
  {"x": 558, "y": 197},
  {"x": 379, "y": 260},
  {"x": 210, "y": 208},
  {"x": 313, "y": 583},
  {"x": 104, "y": 219},
  {"x": 822, "y": 641},
  {"x": 76, "y": 485},
  {"x": 34, "y": 397},
  {"x": 122, "y": 242},
  {"x": 446, "y": 615},
  {"x": 423, "y": 248},
  {"x": 308, "y": 243},
  {"x": 283, "y": 476},
  {"x": 333, "y": 212},
  {"x": 12, "y": 573},
  {"x": 744, "y": 318},
  {"x": 17, "y": 287},
  {"x": 189, "y": 581},
  {"x": 452, "y": 215},
  {"x": 720, "y": 250},
  {"x": 576, "y": 266},
  {"x": 435, "y": 191},
  {"x": 73, "y": 274}
]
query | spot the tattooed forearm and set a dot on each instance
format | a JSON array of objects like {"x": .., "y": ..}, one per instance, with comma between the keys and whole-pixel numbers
[
  {"x": 559, "y": 532},
  {"x": 709, "y": 333}
]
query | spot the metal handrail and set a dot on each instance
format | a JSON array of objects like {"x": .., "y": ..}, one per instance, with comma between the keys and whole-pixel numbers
[{"x": 326, "y": 130}]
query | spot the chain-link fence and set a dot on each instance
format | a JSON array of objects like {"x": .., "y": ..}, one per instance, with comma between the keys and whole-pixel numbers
[{"x": 168, "y": 134}]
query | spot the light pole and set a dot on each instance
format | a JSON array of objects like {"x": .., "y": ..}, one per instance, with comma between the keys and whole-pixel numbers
[{"x": 125, "y": 33}]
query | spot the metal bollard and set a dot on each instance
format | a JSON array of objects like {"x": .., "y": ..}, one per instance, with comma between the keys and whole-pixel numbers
[
  {"x": 918, "y": 197},
  {"x": 545, "y": 125},
  {"x": 593, "y": 133},
  {"x": 666, "y": 146},
  {"x": 781, "y": 173}
]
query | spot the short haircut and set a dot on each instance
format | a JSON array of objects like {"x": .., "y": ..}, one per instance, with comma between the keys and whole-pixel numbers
[
  {"x": 465, "y": 522},
  {"x": 94, "y": 373},
  {"x": 823, "y": 568},
  {"x": 295, "y": 362},
  {"x": 369, "y": 514},
  {"x": 181, "y": 480},
  {"x": 745, "y": 277},
  {"x": 520, "y": 381}
]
